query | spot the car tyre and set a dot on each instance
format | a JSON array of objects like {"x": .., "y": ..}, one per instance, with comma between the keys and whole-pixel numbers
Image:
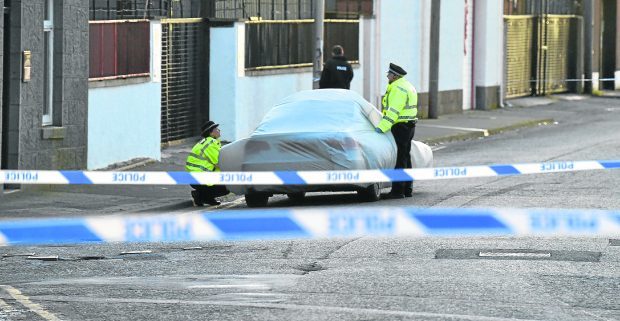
[
  {"x": 371, "y": 193},
  {"x": 256, "y": 199},
  {"x": 296, "y": 197}
]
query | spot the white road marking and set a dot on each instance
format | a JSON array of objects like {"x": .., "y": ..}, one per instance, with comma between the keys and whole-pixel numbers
[
  {"x": 513, "y": 254},
  {"x": 300, "y": 307},
  {"x": 4, "y": 306},
  {"x": 234, "y": 203},
  {"x": 483, "y": 131},
  {"x": 25, "y": 301}
]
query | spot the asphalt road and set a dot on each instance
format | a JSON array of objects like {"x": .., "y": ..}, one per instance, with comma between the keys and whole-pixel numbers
[{"x": 365, "y": 278}]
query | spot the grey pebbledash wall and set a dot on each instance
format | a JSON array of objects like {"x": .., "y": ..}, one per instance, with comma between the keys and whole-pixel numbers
[{"x": 63, "y": 145}]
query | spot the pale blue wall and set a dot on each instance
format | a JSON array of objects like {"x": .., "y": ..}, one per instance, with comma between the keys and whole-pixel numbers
[
  {"x": 238, "y": 101},
  {"x": 123, "y": 124},
  {"x": 222, "y": 80},
  {"x": 452, "y": 33}
]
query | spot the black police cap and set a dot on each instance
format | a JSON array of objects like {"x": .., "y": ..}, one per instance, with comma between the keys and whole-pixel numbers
[
  {"x": 397, "y": 70},
  {"x": 208, "y": 127}
]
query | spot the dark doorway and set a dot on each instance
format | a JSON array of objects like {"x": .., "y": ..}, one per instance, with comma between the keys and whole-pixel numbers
[{"x": 608, "y": 44}]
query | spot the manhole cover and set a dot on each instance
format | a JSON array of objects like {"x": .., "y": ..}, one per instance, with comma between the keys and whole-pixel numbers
[{"x": 517, "y": 254}]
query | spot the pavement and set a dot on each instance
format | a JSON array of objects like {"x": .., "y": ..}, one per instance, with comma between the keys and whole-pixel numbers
[{"x": 81, "y": 200}]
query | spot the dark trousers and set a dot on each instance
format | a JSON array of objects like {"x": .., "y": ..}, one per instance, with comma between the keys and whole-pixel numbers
[
  {"x": 206, "y": 192},
  {"x": 403, "y": 134}
]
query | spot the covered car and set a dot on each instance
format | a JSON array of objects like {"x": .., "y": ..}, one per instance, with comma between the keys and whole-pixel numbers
[{"x": 322, "y": 130}]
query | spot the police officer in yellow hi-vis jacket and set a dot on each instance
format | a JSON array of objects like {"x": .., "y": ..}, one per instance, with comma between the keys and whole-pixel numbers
[
  {"x": 400, "y": 108},
  {"x": 205, "y": 158}
]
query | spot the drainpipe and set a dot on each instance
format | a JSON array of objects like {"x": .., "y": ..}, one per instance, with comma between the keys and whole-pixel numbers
[
  {"x": 588, "y": 12},
  {"x": 472, "y": 89},
  {"x": 433, "y": 94}
]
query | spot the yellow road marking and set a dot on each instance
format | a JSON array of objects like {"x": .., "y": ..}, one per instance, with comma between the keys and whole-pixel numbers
[
  {"x": 25, "y": 301},
  {"x": 4, "y": 306}
]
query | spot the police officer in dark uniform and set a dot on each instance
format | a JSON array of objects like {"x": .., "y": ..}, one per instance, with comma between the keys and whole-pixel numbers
[{"x": 337, "y": 72}]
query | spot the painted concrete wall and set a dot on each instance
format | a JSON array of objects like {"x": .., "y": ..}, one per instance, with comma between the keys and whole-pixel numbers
[
  {"x": 399, "y": 23},
  {"x": 468, "y": 55},
  {"x": 489, "y": 46},
  {"x": 123, "y": 124},
  {"x": 124, "y": 118},
  {"x": 223, "y": 80},
  {"x": 239, "y": 99},
  {"x": 452, "y": 31}
]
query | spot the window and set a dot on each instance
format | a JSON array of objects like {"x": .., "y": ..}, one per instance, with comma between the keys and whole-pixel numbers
[
  {"x": 119, "y": 49},
  {"x": 48, "y": 62}
]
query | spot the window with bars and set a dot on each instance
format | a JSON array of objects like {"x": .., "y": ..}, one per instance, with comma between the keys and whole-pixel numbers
[{"x": 119, "y": 49}]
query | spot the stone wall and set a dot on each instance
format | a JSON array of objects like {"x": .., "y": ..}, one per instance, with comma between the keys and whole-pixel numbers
[{"x": 63, "y": 144}]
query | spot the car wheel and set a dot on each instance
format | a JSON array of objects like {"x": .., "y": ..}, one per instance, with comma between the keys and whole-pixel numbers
[
  {"x": 296, "y": 197},
  {"x": 371, "y": 193},
  {"x": 256, "y": 199}
]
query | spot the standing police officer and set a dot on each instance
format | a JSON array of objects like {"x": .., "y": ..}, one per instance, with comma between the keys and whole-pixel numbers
[
  {"x": 205, "y": 158},
  {"x": 337, "y": 72},
  {"x": 400, "y": 108}
]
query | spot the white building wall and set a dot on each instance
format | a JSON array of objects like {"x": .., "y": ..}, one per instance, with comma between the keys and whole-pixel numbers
[
  {"x": 399, "y": 33},
  {"x": 468, "y": 55},
  {"x": 489, "y": 44},
  {"x": 452, "y": 23}
]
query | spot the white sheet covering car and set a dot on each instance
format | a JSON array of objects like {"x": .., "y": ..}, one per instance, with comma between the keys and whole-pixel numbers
[{"x": 326, "y": 129}]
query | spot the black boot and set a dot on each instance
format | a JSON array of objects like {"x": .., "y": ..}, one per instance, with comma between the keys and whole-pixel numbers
[{"x": 196, "y": 198}]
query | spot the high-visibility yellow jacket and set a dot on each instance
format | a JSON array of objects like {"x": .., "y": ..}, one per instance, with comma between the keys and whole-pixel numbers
[
  {"x": 204, "y": 156},
  {"x": 400, "y": 104}
]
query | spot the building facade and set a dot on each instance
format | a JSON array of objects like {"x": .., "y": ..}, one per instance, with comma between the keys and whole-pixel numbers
[{"x": 44, "y": 84}]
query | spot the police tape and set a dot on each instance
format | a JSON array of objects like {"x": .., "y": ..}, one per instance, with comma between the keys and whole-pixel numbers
[
  {"x": 278, "y": 224},
  {"x": 296, "y": 177}
]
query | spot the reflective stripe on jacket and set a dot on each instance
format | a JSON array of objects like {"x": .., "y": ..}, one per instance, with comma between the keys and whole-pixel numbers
[
  {"x": 204, "y": 156},
  {"x": 400, "y": 104}
]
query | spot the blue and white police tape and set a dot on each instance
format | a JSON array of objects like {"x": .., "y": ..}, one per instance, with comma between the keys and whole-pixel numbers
[
  {"x": 313, "y": 224},
  {"x": 296, "y": 177}
]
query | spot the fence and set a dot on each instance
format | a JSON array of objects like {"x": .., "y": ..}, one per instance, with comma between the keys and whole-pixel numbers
[
  {"x": 143, "y": 9},
  {"x": 289, "y": 9},
  {"x": 181, "y": 63},
  {"x": 225, "y": 9},
  {"x": 278, "y": 44},
  {"x": 542, "y": 54}
]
